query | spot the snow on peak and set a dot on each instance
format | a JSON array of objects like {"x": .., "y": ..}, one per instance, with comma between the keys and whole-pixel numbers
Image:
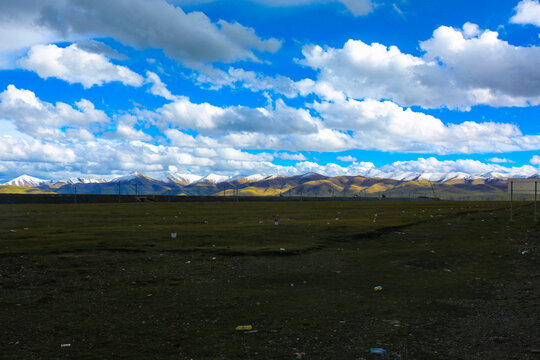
[
  {"x": 310, "y": 174},
  {"x": 214, "y": 179},
  {"x": 26, "y": 180},
  {"x": 179, "y": 178},
  {"x": 84, "y": 181},
  {"x": 132, "y": 176},
  {"x": 250, "y": 178}
]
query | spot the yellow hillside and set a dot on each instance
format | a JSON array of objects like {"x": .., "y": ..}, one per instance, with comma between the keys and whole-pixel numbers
[{"x": 10, "y": 189}]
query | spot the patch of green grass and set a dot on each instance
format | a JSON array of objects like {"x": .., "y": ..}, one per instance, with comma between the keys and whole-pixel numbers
[{"x": 245, "y": 227}]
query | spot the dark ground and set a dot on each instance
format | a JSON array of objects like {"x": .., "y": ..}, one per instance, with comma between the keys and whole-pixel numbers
[{"x": 454, "y": 287}]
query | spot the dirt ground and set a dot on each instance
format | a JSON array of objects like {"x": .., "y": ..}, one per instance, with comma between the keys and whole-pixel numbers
[{"x": 463, "y": 286}]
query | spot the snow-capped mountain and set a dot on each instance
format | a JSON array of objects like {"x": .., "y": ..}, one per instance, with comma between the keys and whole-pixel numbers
[
  {"x": 178, "y": 178},
  {"x": 129, "y": 177},
  {"x": 371, "y": 181},
  {"x": 250, "y": 178},
  {"x": 213, "y": 179},
  {"x": 173, "y": 179},
  {"x": 27, "y": 181},
  {"x": 84, "y": 181},
  {"x": 432, "y": 177}
]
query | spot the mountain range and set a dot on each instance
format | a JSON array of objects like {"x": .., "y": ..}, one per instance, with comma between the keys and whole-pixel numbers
[{"x": 454, "y": 185}]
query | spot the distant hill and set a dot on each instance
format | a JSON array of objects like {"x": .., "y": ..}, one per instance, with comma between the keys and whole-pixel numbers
[
  {"x": 13, "y": 189},
  {"x": 449, "y": 186}
]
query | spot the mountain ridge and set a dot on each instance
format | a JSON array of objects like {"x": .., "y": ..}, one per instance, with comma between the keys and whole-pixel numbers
[
  {"x": 407, "y": 184},
  {"x": 187, "y": 178}
]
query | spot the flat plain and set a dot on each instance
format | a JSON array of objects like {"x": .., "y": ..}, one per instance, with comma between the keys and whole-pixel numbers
[{"x": 459, "y": 280}]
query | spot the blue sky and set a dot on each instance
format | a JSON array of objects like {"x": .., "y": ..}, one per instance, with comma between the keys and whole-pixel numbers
[{"x": 268, "y": 86}]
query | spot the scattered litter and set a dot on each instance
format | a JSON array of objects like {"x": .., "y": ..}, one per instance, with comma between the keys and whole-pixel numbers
[
  {"x": 292, "y": 285},
  {"x": 243, "y": 328},
  {"x": 377, "y": 351},
  {"x": 447, "y": 270},
  {"x": 251, "y": 331},
  {"x": 149, "y": 295},
  {"x": 213, "y": 245},
  {"x": 65, "y": 345},
  {"x": 535, "y": 351},
  {"x": 281, "y": 249},
  {"x": 337, "y": 217},
  {"x": 449, "y": 224},
  {"x": 340, "y": 249},
  {"x": 140, "y": 225},
  {"x": 25, "y": 228},
  {"x": 395, "y": 323},
  {"x": 12, "y": 230},
  {"x": 206, "y": 221},
  {"x": 260, "y": 221},
  {"x": 524, "y": 252},
  {"x": 173, "y": 234},
  {"x": 299, "y": 355},
  {"x": 328, "y": 223},
  {"x": 188, "y": 262},
  {"x": 433, "y": 251},
  {"x": 214, "y": 258},
  {"x": 377, "y": 288},
  {"x": 276, "y": 221}
]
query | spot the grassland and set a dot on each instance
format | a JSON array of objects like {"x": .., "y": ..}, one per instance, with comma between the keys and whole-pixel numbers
[
  {"x": 109, "y": 280},
  {"x": 10, "y": 189}
]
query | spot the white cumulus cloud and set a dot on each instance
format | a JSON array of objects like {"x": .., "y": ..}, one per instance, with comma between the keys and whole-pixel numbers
[
  {"x": 191, "y": 38},
  {"x": 288, "y": 156},
  {"x": 383, "y": 125},
  {"x": 75, "y": 65},
  {"x": 499, "y": 160},
  {"x": 347, "y": 158},
  {"x": 208, "y": 119},
  {"x": 42, "y": 119},
  {"x": 447, "y": 75},
  {"x": 527, "y": 12}
]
